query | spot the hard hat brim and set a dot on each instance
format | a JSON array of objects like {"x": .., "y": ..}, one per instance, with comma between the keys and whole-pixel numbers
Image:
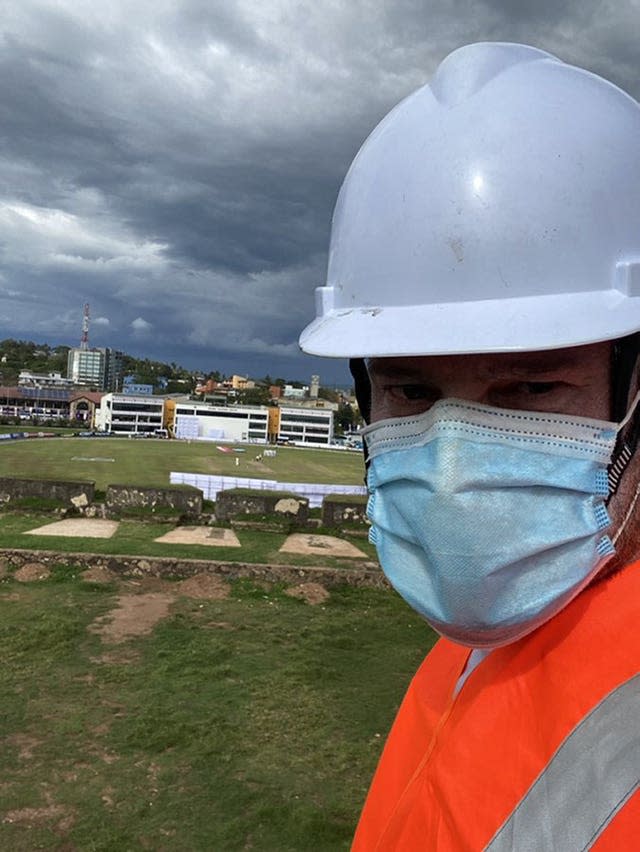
[{"x": 492, "y": 325}]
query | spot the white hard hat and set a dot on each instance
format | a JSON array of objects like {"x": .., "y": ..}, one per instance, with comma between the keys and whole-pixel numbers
[{"x": 495, "y": 209}]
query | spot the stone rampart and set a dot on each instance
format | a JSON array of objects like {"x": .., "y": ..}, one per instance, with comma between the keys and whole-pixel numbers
[
  {"x": 67, "y": 492},
  {"x": 361, "y": 575},
  {"x": 340, "y": 509},
  {"x": 239, "y": 502},
  {"x": 123, "y": 499}
]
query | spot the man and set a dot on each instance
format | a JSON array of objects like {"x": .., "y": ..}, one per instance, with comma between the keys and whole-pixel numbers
[{"x": 484, "y": 278}]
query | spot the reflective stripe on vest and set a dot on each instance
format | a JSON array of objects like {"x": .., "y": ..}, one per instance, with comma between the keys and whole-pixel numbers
[{"x": 589, "y": 778}]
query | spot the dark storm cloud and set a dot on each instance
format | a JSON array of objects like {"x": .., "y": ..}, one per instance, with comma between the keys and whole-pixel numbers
[{"x": 176, "y": 163}]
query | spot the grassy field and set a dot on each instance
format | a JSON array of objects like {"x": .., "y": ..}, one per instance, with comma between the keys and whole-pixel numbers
[
  {"x": 137, "y": 539},
  {"x": 124, "y": 461},
  {"x": 246, "y": 723},
  {"x": 57, "y": 430}
]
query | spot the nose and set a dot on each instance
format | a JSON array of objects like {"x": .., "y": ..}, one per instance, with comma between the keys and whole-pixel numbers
[{"x": 462, "y": 384}]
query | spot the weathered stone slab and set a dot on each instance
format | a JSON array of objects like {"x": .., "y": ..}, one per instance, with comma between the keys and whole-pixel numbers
[
  {"x": 327, "y": 545},
  {"x": 78, "y": 528},
  {"x": 207, "y": 536}
]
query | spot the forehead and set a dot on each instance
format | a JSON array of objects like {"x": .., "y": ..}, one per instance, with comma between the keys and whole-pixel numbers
[{"x": 575, "y": 361}]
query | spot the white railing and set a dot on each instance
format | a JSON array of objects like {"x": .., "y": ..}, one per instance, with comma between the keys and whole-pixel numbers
[{"x": 210, "y": 485}]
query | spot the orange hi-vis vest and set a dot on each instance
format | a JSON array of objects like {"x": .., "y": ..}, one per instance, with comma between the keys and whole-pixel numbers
[{"x": 539, "y": 749}]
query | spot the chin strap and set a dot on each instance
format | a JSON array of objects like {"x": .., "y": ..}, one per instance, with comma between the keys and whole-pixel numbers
[{"x": 624, "y": 354}]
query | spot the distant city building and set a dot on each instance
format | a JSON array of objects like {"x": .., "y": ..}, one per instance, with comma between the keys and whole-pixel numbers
[
  {"x": 83, "y": 406},
  {"x": 242, "y": 383},
  {"x": 315, "y": 387},
  {"x": 313, "y": 404},
  {"x": 86, "y": 367},
  {"x": 137, "y": 389},
  {"x": 126, "y": 414},
  {"x": 48, "y": 403},
  {"x": 313, "y": 427},
  {"x": 214, "y": 391},
  {"x": 296, "y": 393},
  {"x": 43, "y": 380},
  {"x": 99, "y": 368},
  {"x": 113, "y": 370},
  {"x": 189, "y": 419},
  {"x": 226, "y": 388}
]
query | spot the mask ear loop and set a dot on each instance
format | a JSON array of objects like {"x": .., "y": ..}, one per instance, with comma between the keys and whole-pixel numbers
[
  {"x": 625, "y": 452},
  {"x": 628, "y": 514},
  {"x": 630, "y": 413}
]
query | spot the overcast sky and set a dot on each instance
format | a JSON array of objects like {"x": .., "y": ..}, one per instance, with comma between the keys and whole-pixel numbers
[{"x": 175, "y": 164}]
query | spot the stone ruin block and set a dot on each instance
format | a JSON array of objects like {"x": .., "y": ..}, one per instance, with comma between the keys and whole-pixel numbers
[{"x": 239, "y": 502}]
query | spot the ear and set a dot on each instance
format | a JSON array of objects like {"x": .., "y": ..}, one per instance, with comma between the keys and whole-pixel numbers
[{"x": 624, "y": 374}]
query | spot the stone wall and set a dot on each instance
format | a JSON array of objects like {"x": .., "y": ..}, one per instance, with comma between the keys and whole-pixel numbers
[
  {"x": 362, "y": 575},
  {"x": 236, "y": 502},
  {"x": 184, "y": 500},
  {"x": 340, "y": 509},
  {"x": 70, "y": 493}
]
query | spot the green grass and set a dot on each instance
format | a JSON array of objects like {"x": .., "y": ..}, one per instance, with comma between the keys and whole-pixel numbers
[
  {"x": 137, "y": 539},
  {"x": 21, "y": 427},
  {"x": 253, "y": 722},
  {"x": 111, "y": 460}
]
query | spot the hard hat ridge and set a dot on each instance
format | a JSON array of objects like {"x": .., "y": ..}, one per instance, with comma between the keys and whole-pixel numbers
[
  {"x": 465, "y": 71},
  {"x": 495, "y": 209}
]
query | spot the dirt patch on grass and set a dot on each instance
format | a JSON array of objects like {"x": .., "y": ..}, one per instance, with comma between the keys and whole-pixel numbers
[
  {"x": 311, "y": 593},
  {"x": 259, "y": 467},
  {"x": 147, "y": 584},
  {"x": 62, "y": 816},
  {"x": 108, "y": 797},
  {"x": 34, "y": 816},
  {"x": 31, "y": 572},
  {"x": 118, "y": 657},
  {"x": 204, "y": 587},
  {"x": 98, "y": 574},
  {"x": 25, "y": 745},
  {"x": 138, "y": 612},
  {"x": 134, "y": 615}
]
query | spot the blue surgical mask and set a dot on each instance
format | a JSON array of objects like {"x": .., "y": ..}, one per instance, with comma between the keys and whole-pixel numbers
[{"x": 489, "y": 521}]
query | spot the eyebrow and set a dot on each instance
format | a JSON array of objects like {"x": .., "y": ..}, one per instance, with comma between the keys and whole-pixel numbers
[
  {"x": 528, "y": 366},
  {"x": 520, "y": 365},
  {"x": 395, "y": 371}
]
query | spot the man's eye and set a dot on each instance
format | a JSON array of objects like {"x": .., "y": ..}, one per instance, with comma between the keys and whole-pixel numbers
[
  {"x": 536, "y": 388},
  {"x": 413, "y": 392},
  {"x": 525, "y": 390}
]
